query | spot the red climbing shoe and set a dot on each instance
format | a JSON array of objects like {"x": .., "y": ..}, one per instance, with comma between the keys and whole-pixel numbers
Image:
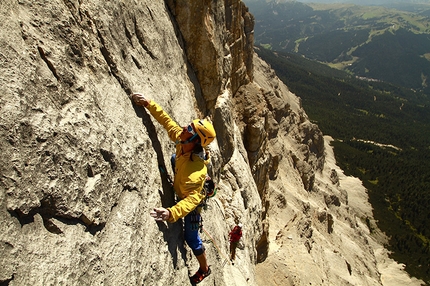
[{"x": 200, "y": 275}]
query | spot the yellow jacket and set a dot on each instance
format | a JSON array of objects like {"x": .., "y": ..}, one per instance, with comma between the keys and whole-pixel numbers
[{"x": 190, "y": 175}]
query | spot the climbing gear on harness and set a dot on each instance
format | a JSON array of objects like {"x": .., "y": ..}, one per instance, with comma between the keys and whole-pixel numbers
[
  {"x": 205, "y": 130},
  {"x": 200, "y": 275},
  {"x": 210, "y": 187},
  {"x": 209, "y": 190},
  {"x": 196, "y": 220}
]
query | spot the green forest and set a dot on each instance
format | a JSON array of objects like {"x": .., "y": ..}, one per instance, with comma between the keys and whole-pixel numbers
[
  {"x": 397, "y": 174},
  {"x": 367, "y": 41}
]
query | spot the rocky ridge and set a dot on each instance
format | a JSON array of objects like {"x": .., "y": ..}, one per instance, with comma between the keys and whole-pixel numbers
[{"x": 80, "y": 163}]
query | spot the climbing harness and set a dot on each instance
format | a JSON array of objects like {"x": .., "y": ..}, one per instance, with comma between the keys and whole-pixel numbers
[{"x": 196, "y": 220}]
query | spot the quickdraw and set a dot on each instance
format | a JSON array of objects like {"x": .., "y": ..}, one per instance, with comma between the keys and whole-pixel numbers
[{"x": 209, "y": 190}]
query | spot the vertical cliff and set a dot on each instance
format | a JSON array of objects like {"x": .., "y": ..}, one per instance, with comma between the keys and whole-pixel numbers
[{"x": 80, "y": 165}]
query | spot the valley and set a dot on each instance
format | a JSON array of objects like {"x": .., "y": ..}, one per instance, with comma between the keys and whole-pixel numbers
[
  {"x": 362, "y": 76},
  {"x": 386, "y": 146},
  {"x": 367, "y": 41}
]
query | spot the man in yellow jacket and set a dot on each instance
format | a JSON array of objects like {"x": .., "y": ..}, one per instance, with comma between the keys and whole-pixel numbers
[{"x": 189, "y": 164}]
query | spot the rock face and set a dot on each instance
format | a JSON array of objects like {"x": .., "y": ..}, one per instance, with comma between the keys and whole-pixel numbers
[{"x": 80, "y": 165}]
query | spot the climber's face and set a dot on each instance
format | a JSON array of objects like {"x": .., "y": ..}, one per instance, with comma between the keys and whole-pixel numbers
[{"x": 187, "y": 133}]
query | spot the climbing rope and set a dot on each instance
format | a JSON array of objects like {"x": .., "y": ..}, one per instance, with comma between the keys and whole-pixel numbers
[{"x": 226, "y": 259}]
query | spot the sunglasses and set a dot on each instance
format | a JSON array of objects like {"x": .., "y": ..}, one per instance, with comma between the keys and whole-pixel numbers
[{"x": 190, "y": 129}]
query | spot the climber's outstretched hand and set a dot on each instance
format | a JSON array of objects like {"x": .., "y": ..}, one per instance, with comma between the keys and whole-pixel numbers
[{"x": 160, "y": 214}]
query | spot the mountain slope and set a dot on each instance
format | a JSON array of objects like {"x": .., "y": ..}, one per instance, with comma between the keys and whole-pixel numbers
[{"x": 381, "y": 137}]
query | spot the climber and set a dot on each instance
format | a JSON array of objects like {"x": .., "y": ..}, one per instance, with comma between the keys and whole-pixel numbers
[
  {"x": 190, "y": 171},
  {"x": 234, "y": 236}
]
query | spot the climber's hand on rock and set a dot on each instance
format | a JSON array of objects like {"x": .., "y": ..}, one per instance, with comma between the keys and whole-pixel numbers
[
  {"x": 160, "y": 214},
  {"x": 140, "y": 99}
]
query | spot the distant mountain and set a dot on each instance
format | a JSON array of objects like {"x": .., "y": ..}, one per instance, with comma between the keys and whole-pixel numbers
[{"x": 369, "y": 42}]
